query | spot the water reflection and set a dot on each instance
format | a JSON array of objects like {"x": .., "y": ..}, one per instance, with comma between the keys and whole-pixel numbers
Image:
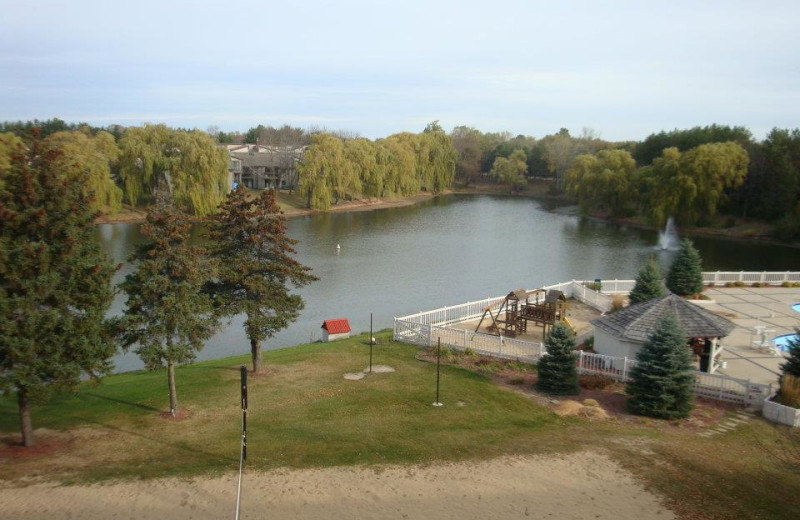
[{"x": 445, "y": 251}]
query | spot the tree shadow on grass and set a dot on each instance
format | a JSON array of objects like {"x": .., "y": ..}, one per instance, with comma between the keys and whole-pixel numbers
[{"x": 122, "y": 401}]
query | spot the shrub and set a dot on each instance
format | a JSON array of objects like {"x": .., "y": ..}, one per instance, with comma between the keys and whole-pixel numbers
[
  {"x": 617, "y": 302},
  {"x": 738, "y": 283},
  {"x": 592, "y": 285},
  {"x": 758, "y": 284},
  {"x": 786, "y": 283},
  {"x": 595, "y": 381},
  {"x": 730, "y": 284},
  {"x": 792, "y": 365},
  {"x": 790, "y": 391}
]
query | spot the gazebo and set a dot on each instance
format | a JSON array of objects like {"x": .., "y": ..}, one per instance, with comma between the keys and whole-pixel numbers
[{"x": 623, "y": 333}]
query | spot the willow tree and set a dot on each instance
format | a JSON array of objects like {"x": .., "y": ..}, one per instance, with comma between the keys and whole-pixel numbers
[
  {"x": 401, "y": 165},
  {"x": 168, "y": 315},
  {"x": 319, "y": 168},
  {"x": 692, "y": 185},
  {"x": 55, "y": 282},
  {"x": 362, "y": 155},
  {"x": 187, "y": 163},
  {"x": 606, "y": 180},
  {"x": 91, "y": 159},
  {"x": 256, "y": 267},
  {"x": 511, "y": 171},
  {"x": 442, "y": 157}
]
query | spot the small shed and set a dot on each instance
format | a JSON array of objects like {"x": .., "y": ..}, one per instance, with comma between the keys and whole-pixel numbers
[
  {"x": 335, "y": 329},
  {"x": 622, "y": 334}
]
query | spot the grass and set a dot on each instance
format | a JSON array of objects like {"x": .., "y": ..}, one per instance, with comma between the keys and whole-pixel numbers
[{"x": 303, "y": 413}]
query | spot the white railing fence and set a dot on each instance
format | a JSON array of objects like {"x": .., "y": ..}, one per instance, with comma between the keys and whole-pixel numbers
[
  {"x": 768, "y": 277},
  {"x": 712, "y": 386}
]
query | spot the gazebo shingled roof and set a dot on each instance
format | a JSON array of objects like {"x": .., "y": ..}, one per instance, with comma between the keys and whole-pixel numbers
[{"x": 637, "y": 322}]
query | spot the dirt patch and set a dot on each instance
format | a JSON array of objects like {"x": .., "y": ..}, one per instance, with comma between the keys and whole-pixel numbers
[
  {"x": 46, "y": 443},
  {"x": 376, "y": 369},
  {"x": 180, "y": 415}
]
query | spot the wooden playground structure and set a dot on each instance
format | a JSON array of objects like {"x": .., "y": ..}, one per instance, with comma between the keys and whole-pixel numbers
[{"x": 540, "y": 307}]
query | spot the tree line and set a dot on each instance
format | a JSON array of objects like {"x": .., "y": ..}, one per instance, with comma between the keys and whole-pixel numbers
[
  {"x": 56, "y": 284},
  {"x": 335, "y": 168}
]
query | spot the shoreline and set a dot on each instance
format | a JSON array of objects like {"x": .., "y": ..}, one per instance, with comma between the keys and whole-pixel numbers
[{"x": 537, "y": 192}]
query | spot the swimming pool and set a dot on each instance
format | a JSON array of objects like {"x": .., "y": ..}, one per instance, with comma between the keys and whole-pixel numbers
[
  {"x": 796, "y": 307},
  {"x": 782, "y": 341}
]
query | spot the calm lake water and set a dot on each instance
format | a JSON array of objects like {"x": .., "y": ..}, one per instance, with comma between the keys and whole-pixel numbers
[{"x": 448, "y": 250}]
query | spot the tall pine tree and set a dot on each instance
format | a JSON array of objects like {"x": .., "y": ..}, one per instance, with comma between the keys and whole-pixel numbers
[
  {"x": 685, "y": 276},
  {"x": 661, "y": 382},
  {"x": 255, "y": 266},
  {"x": 168, "y": 316},
  {"x": 55, "y": 283},
  {"x": 557, "y": 372},
  {"x": 649, "y": 284}
]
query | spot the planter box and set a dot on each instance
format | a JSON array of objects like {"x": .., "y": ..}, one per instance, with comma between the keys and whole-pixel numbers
[{"x": 781, "y": 414}]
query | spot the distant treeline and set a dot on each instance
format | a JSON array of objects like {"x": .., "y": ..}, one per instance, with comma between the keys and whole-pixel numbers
[{"x": 702, "y": 176}]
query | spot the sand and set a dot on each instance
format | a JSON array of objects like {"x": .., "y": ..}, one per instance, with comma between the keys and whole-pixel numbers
[{"x": 576, "y": 486}]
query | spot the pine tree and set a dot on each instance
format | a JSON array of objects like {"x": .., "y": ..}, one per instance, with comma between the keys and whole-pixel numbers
[
  {"x": 649, "y": 284},
  {"x": 792, "y": 365},
  {"x": 55, "y": 282},
  {"x": 168, "y": 316},
  {"x": 661, "y": 381},
  {"x": 686, "y": 275},
  {"x": 557, "y": 373},
  {"x": 255, "y": 261}
]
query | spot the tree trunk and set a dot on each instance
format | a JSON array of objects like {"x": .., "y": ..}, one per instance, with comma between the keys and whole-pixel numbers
[
  {"x": 255, "y": 351},
  {"x": 173, "y": 394},
  {"x": 25, "y": 417}
]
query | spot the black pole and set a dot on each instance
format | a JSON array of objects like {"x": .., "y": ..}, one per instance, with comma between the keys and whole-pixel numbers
[
  {"x": 438, "y": 364},
  {"x": 243, "y": 370},
  {"x": 370, "y": 342}
]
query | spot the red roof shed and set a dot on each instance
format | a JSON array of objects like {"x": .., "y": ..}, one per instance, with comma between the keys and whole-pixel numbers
[{"x": 337, "y": 326}]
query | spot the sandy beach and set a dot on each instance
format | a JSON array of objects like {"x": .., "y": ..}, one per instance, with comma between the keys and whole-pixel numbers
[{"x": 576, "y": 486}]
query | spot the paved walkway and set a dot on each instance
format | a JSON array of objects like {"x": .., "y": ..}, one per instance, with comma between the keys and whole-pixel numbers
[{"x": 748, "y": 307}]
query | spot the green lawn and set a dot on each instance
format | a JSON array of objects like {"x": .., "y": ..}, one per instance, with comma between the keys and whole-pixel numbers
[{"x": 303, "y": 413}]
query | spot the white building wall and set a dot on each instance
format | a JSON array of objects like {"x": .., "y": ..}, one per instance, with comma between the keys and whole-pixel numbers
[
  {"x": 609, "y": 345},
  {"x": 333, "y": 337}
]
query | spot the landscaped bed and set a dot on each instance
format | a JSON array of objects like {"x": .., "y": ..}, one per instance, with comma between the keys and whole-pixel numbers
[{"x": 304, "y": 414}]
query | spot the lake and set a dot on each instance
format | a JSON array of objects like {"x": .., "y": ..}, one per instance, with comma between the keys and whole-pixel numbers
[{"x": 445, "y": 251}]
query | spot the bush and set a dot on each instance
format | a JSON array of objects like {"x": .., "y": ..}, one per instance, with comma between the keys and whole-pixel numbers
[
  {"x": 617, "y": 302},
  {"x": 758, "y": 284},
  {"x": 790, "y": 391},
  {"x": 595, "y": 381},
  {"x": 592, "y": 285}
]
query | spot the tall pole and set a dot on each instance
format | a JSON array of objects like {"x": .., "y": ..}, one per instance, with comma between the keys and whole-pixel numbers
[
  {"x": 370, "y": 342},
  {"x": 243, "y": 448},
  {"x": 438, "y": 364}
]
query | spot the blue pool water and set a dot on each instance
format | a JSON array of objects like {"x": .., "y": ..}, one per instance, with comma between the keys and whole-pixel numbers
[
  {"x": 796, "y": 307},
  {"x": 782, "y": 342}
]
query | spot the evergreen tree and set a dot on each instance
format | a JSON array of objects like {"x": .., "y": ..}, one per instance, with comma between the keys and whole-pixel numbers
[
  {"x": 685, "y": 276},
  {"x": 55, "y": 282},
  {"x": 792, "y": 365},
  {"x": 649, "y": 284},
  {"x": 249, "y": 238},
  {"x": 661, "y": 381},
  {"x": 168, "y": 316},
  {"x": 557, "y": 373}
]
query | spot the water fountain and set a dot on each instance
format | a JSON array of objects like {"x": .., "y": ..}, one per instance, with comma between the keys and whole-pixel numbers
[{"x": 668, "y": 239}]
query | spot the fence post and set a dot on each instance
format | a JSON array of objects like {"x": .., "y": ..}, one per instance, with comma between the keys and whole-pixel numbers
[
  {"x": 580, "y": 362},
  {"x": 624, "y": 369},
  {"x": 465, "y": 339},
  {"x": 541, "y": 349},
  {"x": 430, "y": 335},
  {"x": 763, "y": 276}
]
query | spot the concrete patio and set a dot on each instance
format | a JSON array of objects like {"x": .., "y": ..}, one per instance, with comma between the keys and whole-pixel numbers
[{"x": 749, "y": 307}]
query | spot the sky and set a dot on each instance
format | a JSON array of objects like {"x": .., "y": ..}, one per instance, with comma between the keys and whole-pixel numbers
[{"x": 624, "y": 69}]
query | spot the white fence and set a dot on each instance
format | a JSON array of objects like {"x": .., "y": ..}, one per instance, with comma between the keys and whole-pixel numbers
[
  {"x": 712, "y": 386},
  {"x": 768, "y": 277}
]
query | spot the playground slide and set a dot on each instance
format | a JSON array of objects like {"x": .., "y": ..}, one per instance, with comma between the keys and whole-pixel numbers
[{"x": 568, "y": 324}]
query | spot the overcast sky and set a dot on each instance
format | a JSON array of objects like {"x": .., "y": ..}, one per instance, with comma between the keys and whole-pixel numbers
[{"x": 625, "y": 69}]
